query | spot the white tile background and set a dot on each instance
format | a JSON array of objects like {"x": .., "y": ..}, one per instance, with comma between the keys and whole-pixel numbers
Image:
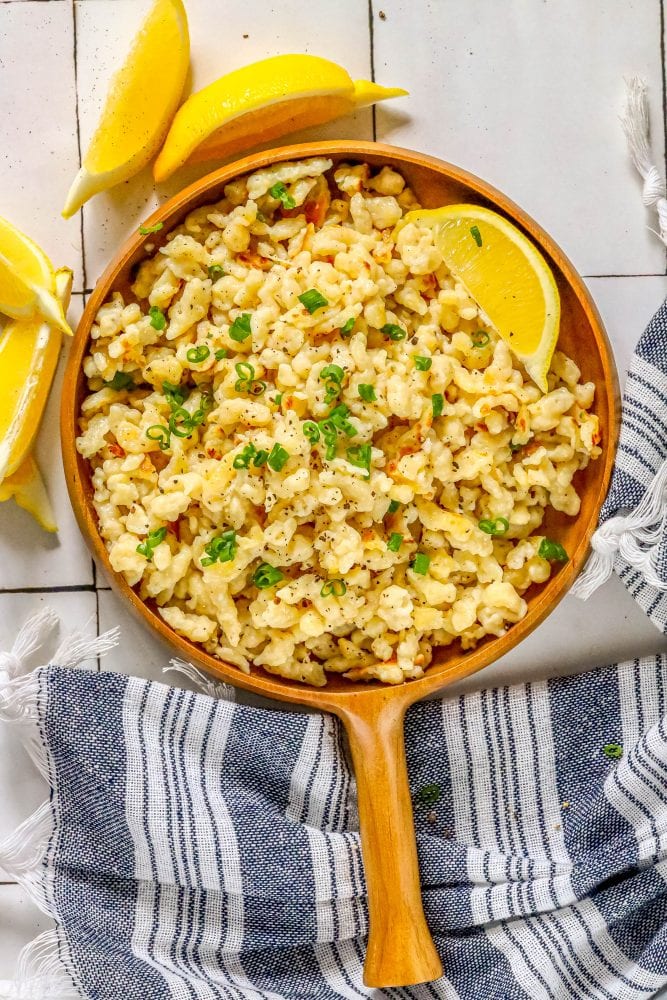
[{"x": 524, "y": 92}]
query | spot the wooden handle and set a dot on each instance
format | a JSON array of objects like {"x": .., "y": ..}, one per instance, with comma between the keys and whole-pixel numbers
[{"x": 400, "y": 950}]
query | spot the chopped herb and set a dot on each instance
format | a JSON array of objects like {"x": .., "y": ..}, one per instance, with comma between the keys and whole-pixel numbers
[
  {"x": 244, "y": 457},
  {"x": 221, "y": 548},
  {"x": 612, "y": 751},
  {"x": 494, "y": 525},
  {"x": 158, "y": 318},
  {"x": 428, "y": 795},
  {"x": 266, "y": 576},
  {"x": 394, "y": 505},
  {"x": 422, "y": 364},
  {"x": 360, "y": 456},
  {"x": 278, "y": 457},
  {"x": 347, "y": 327},
  {"x": 260, "y": 458},
  {"x": 394, "y": 332},
  {"x": 394, "y": 542},
  {"x": 159, "y": 433},
  {"x": 437, "y": 403},
  {"x": 196, "y": 355},
  {"x": 480, "y": 339},
  {"x": 515, "y": 447},
  {"x": 338, "y": 417},
  {"x": 553, "y": 551},
  {"x": 240, "y": 328},
  {"x": 152, "y": 541},
  {"x": 367, "y": 392},
  {"x": 476, "y": 235},
  {"x": 421, "y": 563},
  {"x": 147, "y": 230},
  {"x": 120, "y": 381},
  {"x": 279, "y": 191},
  {"x": 220, "y": 354},
  {"x": 215, "y": 271},
  {"x": 335, "y": 588},
  {"x": 313, "y": 300},
  {"x": 311, "y": 431}
]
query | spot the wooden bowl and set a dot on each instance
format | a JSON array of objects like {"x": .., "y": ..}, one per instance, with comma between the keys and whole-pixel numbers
[{"x": 400, "y": 951}]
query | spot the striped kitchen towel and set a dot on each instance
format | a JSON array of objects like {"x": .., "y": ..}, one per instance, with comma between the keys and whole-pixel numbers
[{"x": 193, "y": 847}]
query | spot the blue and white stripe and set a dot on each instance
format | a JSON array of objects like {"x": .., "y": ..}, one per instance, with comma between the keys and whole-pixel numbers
[{"x": 205, "y": 849}]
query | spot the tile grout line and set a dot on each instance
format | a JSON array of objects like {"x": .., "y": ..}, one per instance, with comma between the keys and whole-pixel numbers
[
  {"x": 663, "y": 77},
  {"x": 371, "y": 39},
  {"x": 78, "y": 136},
  {"x": 74, "y": 588}
]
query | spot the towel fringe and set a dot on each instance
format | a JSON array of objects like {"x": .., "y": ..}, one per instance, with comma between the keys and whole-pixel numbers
[
  {"x": 634, "y": 536},
  {"x": 42, "y": 973},
  {"x": 635, "y": 122},
  {"x": 215, "y": 689}
]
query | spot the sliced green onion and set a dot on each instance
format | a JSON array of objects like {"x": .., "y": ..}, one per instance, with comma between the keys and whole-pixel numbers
[
  {"x": 158, "y": 318},
  {"x": 313, "y": 300},
  {"x": 279, "y": 191},
  {"x": 347, "y": 327},
  {"x": 181, "y": 422},
  {"x": 222, "y": 548},
  {"x": 120, "y": 381},
  {"x": 476, "y": 235},
  {"x": 329, "y": 436},
  {"x": 428, "y": 795},
  {"x": 333, "y": 588},
  {"x": 494, "y": 525},
  {"x": 422, "y": 364},
  {"x": 367, "y": 392},
  {"x": 394, "y": 542},
  {"x": 258, "y": 387},
  {"x": 311, "y": 431},
  {"x": 246, "y": 377},
  {"x": 266, "y": 576},
  {"x": 198, "y": 354},
  {"x": 240, "y": 328},
  {"x": 147, "y": 230},
  {"x": 220, "y": 353},
  {"x": 215, "y": 271},
  {"x": 152, "y": 541},
  {"x": 360, "y": 456},
  {"x": 161, "y": 434},
  {"x": 421, "y": 563},
  {"x": 338, "y": 418},
  {"x": 480, "y": 339},
  {"x": 553, "y": 551},
  {"x": 176, "y": 394},
  {"x": 332, "y": 373},
  {"x": 394, "y": 505},
  {"x": 277, "y": 399},
  {"x": 612, "y": 751},
  {"x": 437, "y": 403},
  {"x": 278, "y": 457},
  {"x": 394, "y": 332},
  {"x": 260, "y": 458},
  {"x": 244, "y": 457}
]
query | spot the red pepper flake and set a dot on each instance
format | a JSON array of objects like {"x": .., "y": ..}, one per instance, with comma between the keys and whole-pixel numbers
[{"x": 116, "y": 450}]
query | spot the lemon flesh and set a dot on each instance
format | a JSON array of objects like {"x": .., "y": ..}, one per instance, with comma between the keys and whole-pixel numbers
[
  {"x": 27, "y": 488},
  {"x": 261, "y": 102},
  {"x": 506, "y": 275},
  {"x": 27, "y": 279},
  {"x": 141, "y": 102},
  {"x": 29, "y": 351}
]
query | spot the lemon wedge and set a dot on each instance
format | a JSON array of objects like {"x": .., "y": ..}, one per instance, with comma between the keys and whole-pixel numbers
[
  {"x": 141, "y": 102},
  {"x": 29, "y": 350},
  {"x": 27, "y": 488},
  {"x": 260, "y": 102},
  {"x": 506, "y": 275},
  {"x": 27, "y": 279}
]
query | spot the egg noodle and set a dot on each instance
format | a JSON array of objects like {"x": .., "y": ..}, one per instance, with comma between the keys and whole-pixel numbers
[{"x": 307, "y": 446}]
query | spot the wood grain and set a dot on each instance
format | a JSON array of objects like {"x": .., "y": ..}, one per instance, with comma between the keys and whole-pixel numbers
[{"x": 400, "y": 949}]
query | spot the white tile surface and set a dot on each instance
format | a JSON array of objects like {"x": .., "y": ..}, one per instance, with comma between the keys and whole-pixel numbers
[
  {"x": 29, "y": 557},
  {"x": 38, "y": 147},
  {"x": 103, "y": 28},
  {"x": 527, "y": 95},
  {"x": 20, "y": 923}
]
